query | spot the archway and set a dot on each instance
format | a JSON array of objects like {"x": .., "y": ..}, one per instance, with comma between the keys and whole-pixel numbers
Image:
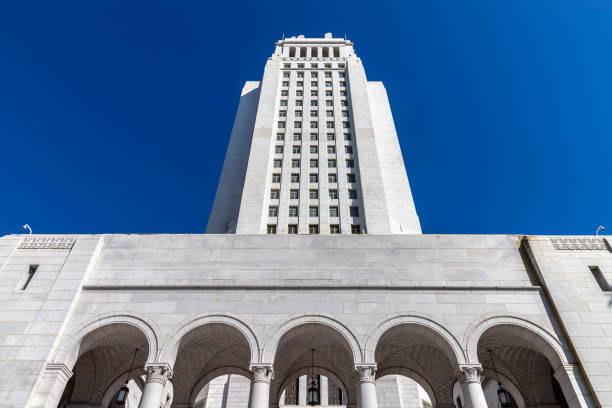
[{"x": 333, "y": 357}]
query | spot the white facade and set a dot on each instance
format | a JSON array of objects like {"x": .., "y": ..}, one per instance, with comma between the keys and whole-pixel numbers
[{"x": 241, "y": 318}]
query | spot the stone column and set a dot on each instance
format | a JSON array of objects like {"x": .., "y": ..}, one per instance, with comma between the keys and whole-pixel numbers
[
  {"x": 571, "y": 384},
  {"x": 366, "y": 375},
  {"x": 469, "y": 376},
  {"x": 324, "y": 387},
  {"x": 155, "y": 383},
  {"x": 259, "y": 396},
  {"x": 301, "y": 397}
]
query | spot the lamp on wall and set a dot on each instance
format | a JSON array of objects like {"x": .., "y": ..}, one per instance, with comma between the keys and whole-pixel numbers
[
  {"x": 124, "y": 391},
  {"x": 505, "y": 399},
  {"x": 313, "y": 390}
]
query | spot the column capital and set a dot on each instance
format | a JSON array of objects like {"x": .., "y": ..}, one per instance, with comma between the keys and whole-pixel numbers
[
  {"x": 158, "y": 373},
  {"x": 366, "y": 373},
  {"x": 58, "y": 370},
  {"x": 470, "y": 373},
  {"x": 261, "y": 373}
]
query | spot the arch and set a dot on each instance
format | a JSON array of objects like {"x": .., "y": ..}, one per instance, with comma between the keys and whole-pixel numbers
[
  {"x": 70, "y": 348},
  {"x": 306, "y": 371},
  {"x": 271, "y": 344},
  {"x": 214, "y": 374},
  {"x": 542, "y": 340},
  {"x": 413, "y": 375},
  {"x": 169, "y": 351},
  {"x": 444, "y": 338}
]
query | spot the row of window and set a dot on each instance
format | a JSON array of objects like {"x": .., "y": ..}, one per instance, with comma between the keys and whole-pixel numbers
[
  {"x": 314, "y": 125},
  {"x": 314, "y": 149},
  {"x": 313, "y": 178},
  {"x": 313, "y": 137},
  {"x": 313, "y": 113},
  {"x": 312, "y": 194},
  {"x": 315, "y": 65},
  {"x": 315, "y": 102},
  {"x": 313, "y": 74},
  {"x": 314, "y": 229},
  {"x": 313, "y": 211},
  {"x": 313, "y": 84},
  {"x": 314, "y": 163},
  {"x": 313, "y": 92}
]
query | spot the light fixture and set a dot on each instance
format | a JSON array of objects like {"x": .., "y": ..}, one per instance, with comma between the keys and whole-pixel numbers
[
  {"x": 505, "y": 399},
  {"x": 313, "y": 390},
  {"x": 124, "y": 391}
]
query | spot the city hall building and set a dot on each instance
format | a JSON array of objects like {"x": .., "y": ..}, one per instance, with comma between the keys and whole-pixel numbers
[{"x": 313, "y": 284}]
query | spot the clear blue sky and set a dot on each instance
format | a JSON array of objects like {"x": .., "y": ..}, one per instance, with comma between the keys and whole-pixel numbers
[{"x": 115, "y": 115}]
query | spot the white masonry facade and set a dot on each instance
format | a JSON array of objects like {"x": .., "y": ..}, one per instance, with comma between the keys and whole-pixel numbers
[{"x": 313, "y": 284}]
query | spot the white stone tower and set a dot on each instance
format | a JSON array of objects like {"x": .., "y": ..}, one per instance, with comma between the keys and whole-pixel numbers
[{"x": 314, "y": 150}]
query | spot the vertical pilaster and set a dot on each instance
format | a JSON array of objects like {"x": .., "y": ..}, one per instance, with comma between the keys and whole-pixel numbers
[
  {"x": 469, "y": 376},
  {"x": 303, "y": 381},
  {"x": 324, "y": 386}
]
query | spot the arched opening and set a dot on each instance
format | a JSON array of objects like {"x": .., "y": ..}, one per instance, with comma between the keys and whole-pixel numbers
[
  {"x": 105, "y": 356},
  {"x": 208, "y": 360},
  {"x": 296, "y": 365},
  {"x": 400, "y": 391},
  {"x": 421, "y": 354},
  {"x": 522, "y": 362}
]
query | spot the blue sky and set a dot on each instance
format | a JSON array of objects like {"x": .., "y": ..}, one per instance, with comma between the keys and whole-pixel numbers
[{"x": 115, "y": 116}]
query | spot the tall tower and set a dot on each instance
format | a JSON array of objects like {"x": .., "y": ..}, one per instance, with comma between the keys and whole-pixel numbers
[{"x": 314, "y": 150}]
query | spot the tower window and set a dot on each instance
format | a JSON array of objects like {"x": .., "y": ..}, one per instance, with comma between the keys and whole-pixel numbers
[
  {"x": 297, "y": 125},
  {"x": 333, "y": 194},
  {"x": 354, "y": 211},
  {"x": 350, "y": 163},
  {"x": 295, "y": 164},
  {"x": 314, "y": 136},
  {"x": 285, "y": 75},
  {"x": 333, "y": 211},
  {"x": 283, "y": 102},
  {"x": 297, "y": 136},
  {"x": 331, "y": 164},
  {"x": 331, "y": 149},
  {"x": 313, "y": 229},
  {"x": 331, "y": 137},
  {"x": 348, "y": 149},
  {"x": 295, "y": 178},
  {"x": 331, "y": 178},
  {"x": 355, "y": 229},
  {"x": 346, "y": 125},
  {"x": 296, "y": 149},
  {"x": 314, "y": 164},
  {"x": 274, "y": 194},
  {"x": 314, "y": 194},
  {"x": 280, "y": 136},
  {"x": 292, "y": 229},
  {"x": 313, "y": 93},
  {"x": 329, "y": 103},
  {"x": 314, "y": 178},
  {"x": 347, "y": 136},
  {"x": 298, "y": 102},
  {"x": 276, "y": 178},
  {"x": 329, "y": 113},
  {"x": 281, "y": 125},
  {"x": 314, "y": 149},
  {"x": 294, "y": 194},
  {"x": 314, "y": 125},
  {"x": 273, "y": 212},
  {"x": 27, "y": 278},
  {"x": 293, "y": 211},
  {"x": 328, "y": 93},
  {"x": 300, "y": 75},
  {"x": 350, "y": 178},
  {"x": 314, "y": 114},
  {"x": 330, "y": 125},
  {"x": 313, "y": 211},
  {"x": 314, "y": 103},
  {"x": 334, "y": 229},
  {"x": 299, "y": 93},
  {"x": 352, "y": 194},
  {"x": 300, "y": 84},
  {"x": 278, "y": 149},
  {"x": 327, "y": 84},
  {"x": 271, "y": 229},
  {"x": 278, "y": 163}
]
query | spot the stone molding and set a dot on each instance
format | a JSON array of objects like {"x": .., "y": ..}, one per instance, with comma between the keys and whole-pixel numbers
[
  {"x": 469, "y": 374},
  {"x": 158, "y": 373},
  {"x": 261, "y": 373},
  {"x": 46, "y": 243},
  {"x": 366, "y": 373},
  {"x": 583, "y": 244},
  {"x": 58, "y": 370}
]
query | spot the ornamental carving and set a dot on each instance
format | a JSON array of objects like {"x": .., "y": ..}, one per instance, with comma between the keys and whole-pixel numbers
[
  {"x": 262, "y": 374},
  {"x": 158, "y": 373},
  {"x": 46, "y": 243},
  {"x": 584, "y": 244},
  {"x": 366, "y": 373},
  {"x": 470, "y": 374}
]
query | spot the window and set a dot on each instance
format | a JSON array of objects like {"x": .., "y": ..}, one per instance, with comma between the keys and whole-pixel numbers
[
  {"x": 346, "y": 125},
  {"x": 300, "y": 75},
  {"x": 352, "y": 194},
  {"x": 333, "y": 194},
  {"x": 297, "y": 136},
  {"x": 297, "y": 125},
  {"x": 313, "y": 229},
  {"x": 295, "y": 164},
  {"x": 350, "y": 163},
  {"x": 333, "y": 211},
  {"x": 345, "y": 114},
  {"x": 355, "y": 229},
  {"x": 348, "y": 149},
  {"x": 298, "y": 102},
  {"x": 329, "y": 103},
  {"x": 331, "y": 164},
  {"x": 292, "y": 229},
  {"x": 334, "y": 229},
  {"x": 314, "y": 178},
  {"x": 314, "y": 194},
  {"x": 283, "y": 102},
  {"x": 273, "y": 211},
  {"x": 354, "y": 211},
  {"x": 274, "y": 194},
  {"x": 331, "y": 149},
  {"x": 314, "y": 84},
  {"x": 341, "y": 74},
  {"x": 298, "y": 114},
  {"x": 285, "y": 83},
  {"x": 328, "y": 75},
  {"x": 313, "y": 211},
  {"x": 347, "y": 136},
  {"x": 350, "y": 178},
  {"x": 328, "y": 93},
  {"x": 300, "y": 84},
  {"x": 332, "y": 178},
  {"x": 342, "y": 84},
  {"x": 295, "y": 178},
  {"x": 27, "y": 278},
  {"x": 327, "y": 83},
  {"x": 276, "y": 178},
  {"x": 342, "y": 93},
  {"x": 314, "y": 114},
  {"x": 313, "y": 93},
  {"x": 287, "y": 65},
  {"x": 278, "y": 149},
  {"x": 314, "y": 125},
  {"x": 294, "y": 194},
  {"x": 271, "y": 229},
  {"x": 313, "y": 74},
  {"x": 331, "y": 137},
  {"x": 314, "y": 103},
  {"x": 282, "y": 114},
  {"x": 299, "y": 93},
  {"x": 281, "y": 125},
  {"x": 296, "y": 149},
  {"x": 330, "y": 125},
  {"x": 301, "y": 65},
  {"x": 285, "y": 75},
  {"x": 329, "y": 113},
  {"x": 278, "y": 164},
  {"x": 314, "y": 137},
  {"x": 343, "y": 102},
  {"x": 293, "y": 211},
  {"x": 314, "y": 149},
  {"x": 600, "y": 278},
  {"x": 314, "y": 164},
  {"x": 284, "y": 93}
]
